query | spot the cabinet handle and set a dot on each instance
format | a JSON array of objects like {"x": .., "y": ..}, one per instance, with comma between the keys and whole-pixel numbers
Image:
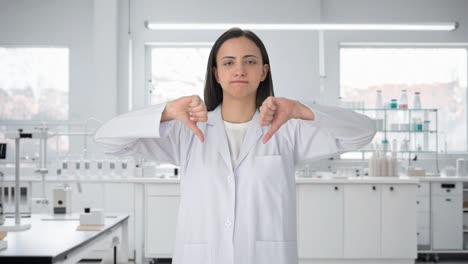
[
  {"x": 391, "y": 188},
  {"x": 336, "y": 188},
  {"x": 417, "y": 202},
  {"x": 373, "y": 188},
  {"x": 448, "y": 200}
]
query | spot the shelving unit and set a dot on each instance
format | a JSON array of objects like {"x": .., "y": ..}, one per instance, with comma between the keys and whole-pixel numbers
[{"x": 398, "y": 124}]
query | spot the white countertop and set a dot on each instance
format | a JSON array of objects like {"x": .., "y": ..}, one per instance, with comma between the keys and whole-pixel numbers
[
  {"x": 443, "y": 179},
  {"x": 357, "y": 180},
  {"x": 299, "y": 180}
]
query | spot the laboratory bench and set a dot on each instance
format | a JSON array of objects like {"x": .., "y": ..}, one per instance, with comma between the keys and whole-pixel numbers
[
  {"x": 365, "y": 219},
  {"x": 55, "y": 239}
]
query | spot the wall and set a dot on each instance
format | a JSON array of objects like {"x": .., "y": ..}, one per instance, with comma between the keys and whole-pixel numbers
[
  {"x": 107, "y": 39},
  {"x": 291, "y": 69},
  {"x": 294, "y": 55}
]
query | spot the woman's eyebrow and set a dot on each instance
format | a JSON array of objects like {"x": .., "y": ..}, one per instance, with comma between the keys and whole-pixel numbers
[{"x": 233, "y": 57}]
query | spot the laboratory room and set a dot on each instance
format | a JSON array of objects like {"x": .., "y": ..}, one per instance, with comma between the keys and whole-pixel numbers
[{"x": 120, "y": 141}]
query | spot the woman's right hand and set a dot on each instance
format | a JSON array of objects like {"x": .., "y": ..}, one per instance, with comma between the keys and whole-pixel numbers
[{"x": 188, "y": 110}]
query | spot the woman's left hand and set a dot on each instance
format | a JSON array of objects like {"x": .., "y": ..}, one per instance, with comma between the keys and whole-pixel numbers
[{"x": 276, "y": 111}]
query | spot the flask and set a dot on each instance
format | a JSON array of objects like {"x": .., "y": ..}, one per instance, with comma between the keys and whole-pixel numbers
[
  {"x": 403, "y": 100},
  {"x": 417, "y": 100}
]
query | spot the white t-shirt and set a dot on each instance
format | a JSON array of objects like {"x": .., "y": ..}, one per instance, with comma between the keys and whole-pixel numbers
[{"x": 235, "y": 135}]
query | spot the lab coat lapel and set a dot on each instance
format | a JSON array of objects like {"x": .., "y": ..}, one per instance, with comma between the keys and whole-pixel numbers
[
  {"x": 216, "y": 122},
  {"x": 252, "y": 136}
]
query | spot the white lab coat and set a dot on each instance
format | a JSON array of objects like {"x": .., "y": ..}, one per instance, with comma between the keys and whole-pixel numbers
[{"x": 241, "y": 215}]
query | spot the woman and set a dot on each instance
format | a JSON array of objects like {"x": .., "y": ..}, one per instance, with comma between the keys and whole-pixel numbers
[{"x": 238, "y": 191}]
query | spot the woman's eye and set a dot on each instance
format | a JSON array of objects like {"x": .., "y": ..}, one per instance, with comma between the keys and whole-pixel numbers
[
  {"x": 227, "y": 63},
  {"x": 251, "y": 62}
]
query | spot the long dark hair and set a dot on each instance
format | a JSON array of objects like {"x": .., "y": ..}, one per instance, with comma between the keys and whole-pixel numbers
[{"x": 213, "y": 90}]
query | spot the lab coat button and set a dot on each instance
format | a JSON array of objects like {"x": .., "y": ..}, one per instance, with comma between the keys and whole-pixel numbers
[{"x": 228, "y": 223}]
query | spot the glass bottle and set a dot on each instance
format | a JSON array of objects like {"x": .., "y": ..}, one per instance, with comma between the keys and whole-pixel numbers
[
  {"x": 403, "y": 100},
  {"x": 378, "y": 100},
  {"x": 393, "y": 104},
  {"x": 416, "y": 101}
]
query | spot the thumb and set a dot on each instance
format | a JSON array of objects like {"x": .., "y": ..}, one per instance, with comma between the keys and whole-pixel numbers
[
  {"x": 270, "y": 133},
  {"x": 193, "y": 126}
]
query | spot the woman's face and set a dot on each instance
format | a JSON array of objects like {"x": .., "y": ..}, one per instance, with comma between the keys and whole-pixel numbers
[{"x": 239, "y": 69}]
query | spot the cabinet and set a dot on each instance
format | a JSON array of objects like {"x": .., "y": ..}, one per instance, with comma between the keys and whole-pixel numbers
[
  {"x": 447, "y": 216},
  {"x": 398, "y": 221},
  {"x": 319, "y": 216},
  {"x": 356, "y": 221},
  {"x": 362, "y": 221},
  {"x": 161, "y": 209}
]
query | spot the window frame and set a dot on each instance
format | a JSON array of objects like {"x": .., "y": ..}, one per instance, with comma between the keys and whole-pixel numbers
[{"x": 149, "y": 66}]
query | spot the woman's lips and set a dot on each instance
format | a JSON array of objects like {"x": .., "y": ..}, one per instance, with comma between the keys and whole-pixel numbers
[{"x": 239, "y": 82}]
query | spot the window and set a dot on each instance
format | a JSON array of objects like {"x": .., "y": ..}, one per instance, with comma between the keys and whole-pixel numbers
[
  {"x": 34, "y": 83},
  {"x": 439, "y": 74},
  {"x": 177, "y": 71},
  {"x": 34, "y": 88}
]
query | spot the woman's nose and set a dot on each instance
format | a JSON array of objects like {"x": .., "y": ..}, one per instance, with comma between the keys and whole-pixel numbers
[{"x": 240, "y": 70}]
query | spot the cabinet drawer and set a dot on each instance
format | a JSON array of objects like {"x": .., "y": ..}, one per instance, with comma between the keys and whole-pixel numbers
[
  {"x": 422, "y": 203},
  {"x": 423, "y": 220},
  {"x": 423, "y": 236},
  {"x": 423, "y": 188},
  {"x": 446, "y": 188}
]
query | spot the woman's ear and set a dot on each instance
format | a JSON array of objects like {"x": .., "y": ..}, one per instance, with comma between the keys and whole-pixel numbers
[
  {"x": 215, "y": 73},
  {"x": 266, "y": 68}
]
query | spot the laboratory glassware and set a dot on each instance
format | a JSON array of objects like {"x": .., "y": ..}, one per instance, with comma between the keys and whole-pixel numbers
[
  {"x": 417, "y": 100},
  {"x": 403, "y": 100}
]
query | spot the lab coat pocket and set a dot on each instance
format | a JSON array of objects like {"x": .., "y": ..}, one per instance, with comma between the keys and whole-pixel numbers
[
  {"x": 270, "y": 167},
  {"x": 196, "y": 254},
  {"x": 275, "y": 252}
]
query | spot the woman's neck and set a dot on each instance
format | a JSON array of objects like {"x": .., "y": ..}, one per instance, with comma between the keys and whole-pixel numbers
[{"x": 237, "y": 111}]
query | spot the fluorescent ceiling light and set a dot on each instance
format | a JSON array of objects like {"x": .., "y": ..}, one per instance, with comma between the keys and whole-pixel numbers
[{"x": 208, "y": 26}]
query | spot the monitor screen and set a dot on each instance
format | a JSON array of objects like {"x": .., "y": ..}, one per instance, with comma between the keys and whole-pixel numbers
[{"x": 3, "y": 150}]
